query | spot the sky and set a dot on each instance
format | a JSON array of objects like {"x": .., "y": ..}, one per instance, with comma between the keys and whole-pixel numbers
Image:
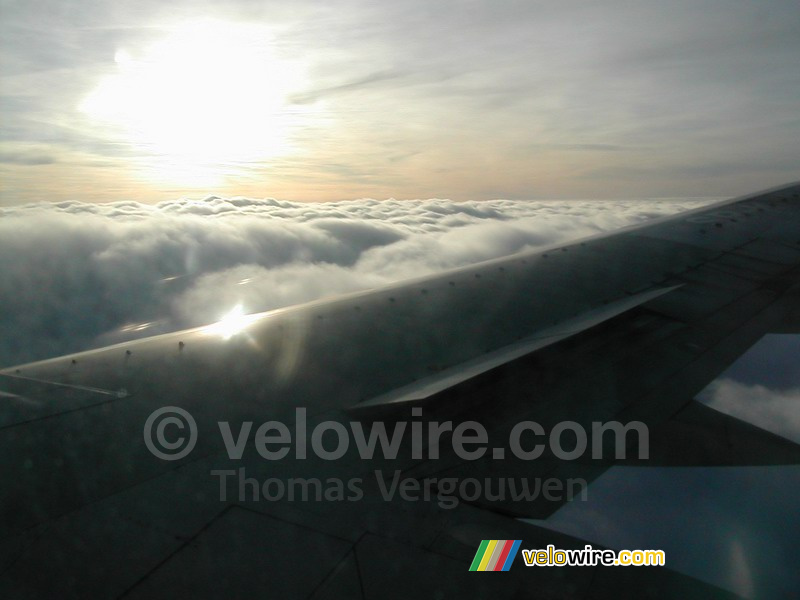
[
  {"x": 181, "y": 150},
  {"x": 306, "y": 101}
]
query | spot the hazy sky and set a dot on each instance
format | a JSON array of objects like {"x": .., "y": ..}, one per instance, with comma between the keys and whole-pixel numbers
[{"x": 305, "y": 100}]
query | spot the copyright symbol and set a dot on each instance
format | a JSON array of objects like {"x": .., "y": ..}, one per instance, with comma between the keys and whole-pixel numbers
[{"x": 162, "y": 447}]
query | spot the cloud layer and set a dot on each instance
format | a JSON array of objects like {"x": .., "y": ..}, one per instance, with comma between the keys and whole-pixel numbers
[
  {"x": 774, "y": 410},
  {"x": 76, "y": 274}
]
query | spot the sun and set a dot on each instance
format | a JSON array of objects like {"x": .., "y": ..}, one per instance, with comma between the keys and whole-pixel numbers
[{"x": 204, "y": 101}]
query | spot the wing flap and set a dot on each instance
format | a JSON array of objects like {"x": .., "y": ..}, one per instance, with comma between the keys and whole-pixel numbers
[
  {"x": 447, "y": 378},
  {"x": 701, "y": 436}
]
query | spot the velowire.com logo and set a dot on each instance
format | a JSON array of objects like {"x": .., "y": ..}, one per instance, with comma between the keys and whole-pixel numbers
[{"x": 495, "y": 555}]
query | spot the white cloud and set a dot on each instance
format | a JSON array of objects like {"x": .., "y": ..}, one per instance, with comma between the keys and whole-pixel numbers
[
  {"x": 770, "y": 409},
  {"x": 74, "y": 271}
]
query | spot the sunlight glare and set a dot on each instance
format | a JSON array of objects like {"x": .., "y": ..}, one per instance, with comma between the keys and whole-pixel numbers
[
  {"x": 209, "y": 97},
  {"x": 232, "y": 323}
]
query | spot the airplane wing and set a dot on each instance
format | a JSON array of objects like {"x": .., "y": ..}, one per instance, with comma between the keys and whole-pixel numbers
[{"x": 624, "y": 327}]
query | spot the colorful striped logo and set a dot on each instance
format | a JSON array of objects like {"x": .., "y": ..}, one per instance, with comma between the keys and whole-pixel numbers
[{"x": 495, "y": 555}]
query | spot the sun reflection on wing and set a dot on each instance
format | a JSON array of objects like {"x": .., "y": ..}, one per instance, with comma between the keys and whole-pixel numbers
[{"x": 232, "y": 323}]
